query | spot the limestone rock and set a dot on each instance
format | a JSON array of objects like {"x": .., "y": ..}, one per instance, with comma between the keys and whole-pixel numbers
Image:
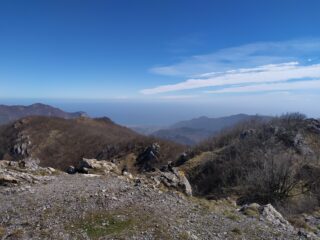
[
  {"x": 7, "y": 179},
  {"x": 269, "y": 213},
  {"x": 185, "y": 185},
  {"x": 95, "y": 164},
  {"x": 175, "y": 179}
]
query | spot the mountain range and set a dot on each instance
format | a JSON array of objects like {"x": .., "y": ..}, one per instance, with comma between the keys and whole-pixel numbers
[
  {"x": 191, "y": 132},
  {"x": 12, "y": 113}
]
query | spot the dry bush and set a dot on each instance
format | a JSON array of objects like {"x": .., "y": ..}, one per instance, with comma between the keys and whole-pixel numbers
[
  {"x": 258, "y": 161},
  {"x": 274, "y": 178}
]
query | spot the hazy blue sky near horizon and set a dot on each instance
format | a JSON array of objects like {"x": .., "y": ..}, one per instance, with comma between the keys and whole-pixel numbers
[{"x": 156, "y": 62}]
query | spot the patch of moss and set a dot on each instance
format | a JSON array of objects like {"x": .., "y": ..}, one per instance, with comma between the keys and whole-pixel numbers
[
  {"x": 99, "y": 225},
  {"x": 184, "y": 236},
  {"x": 232, "y": 216},
  {"x": 119, "y": 223},
  {"x": 2, "y": 231},
  {"x": 297, "y": 222},
  {"x": 16, "y": 234},
  {"x": 236, "y": 231},
  {"x": 251, "y": 212},
  {"x": 204, "y": 204},
  {"x": 161, "y": 233}
]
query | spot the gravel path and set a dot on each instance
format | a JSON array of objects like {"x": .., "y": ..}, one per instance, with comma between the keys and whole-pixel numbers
[{"x": 115, "y": 207}]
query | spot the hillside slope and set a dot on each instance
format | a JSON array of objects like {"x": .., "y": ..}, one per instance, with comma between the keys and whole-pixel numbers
[
  {"x": 275, "y": 162},
  {"x": 61, "y": 142},
  {"x": 183, "y": 135},
  {"x": 12, "y": 113},
  {"x": 212, "y": 124},
  {"x": 196, "y": 130}
]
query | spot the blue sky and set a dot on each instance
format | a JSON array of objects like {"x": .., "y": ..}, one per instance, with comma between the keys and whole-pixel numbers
[{"x": 234, "y": 56}]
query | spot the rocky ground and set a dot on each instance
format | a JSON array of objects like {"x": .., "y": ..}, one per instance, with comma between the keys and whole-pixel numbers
[{"x": 43, "y": 203}]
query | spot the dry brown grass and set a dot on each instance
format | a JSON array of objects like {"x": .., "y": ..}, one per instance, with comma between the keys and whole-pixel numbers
[
  {"x": 60, "y": 143},
  {"x": 242, "y": 161},
  {"x": 2, "y": 231}
]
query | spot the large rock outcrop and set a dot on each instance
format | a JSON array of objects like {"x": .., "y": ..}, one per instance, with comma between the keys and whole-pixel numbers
[
  {"x": 176, "y": 179},
  {"x": 23, "y": 171},
  {"x": 148, "y": 158}
]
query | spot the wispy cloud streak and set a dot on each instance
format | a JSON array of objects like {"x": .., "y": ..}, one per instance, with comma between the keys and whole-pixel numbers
[
  {"x": 257, "y": 75},
  {"x": 254, "y": 54},
  {"x": 287, "y": 86}
]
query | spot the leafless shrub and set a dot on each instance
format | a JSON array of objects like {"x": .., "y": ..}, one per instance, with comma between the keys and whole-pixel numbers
[
  {"x": 258, "y": 161},
  {"x": 274, "y": 178}
]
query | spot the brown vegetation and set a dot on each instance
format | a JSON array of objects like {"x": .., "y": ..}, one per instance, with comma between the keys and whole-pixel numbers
[
  {"x": 264, "y": 162},
  {"x": 59, "y": 142}
]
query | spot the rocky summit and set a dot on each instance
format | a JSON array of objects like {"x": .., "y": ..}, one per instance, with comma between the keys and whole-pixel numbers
[{"x": 44, "y": 203}]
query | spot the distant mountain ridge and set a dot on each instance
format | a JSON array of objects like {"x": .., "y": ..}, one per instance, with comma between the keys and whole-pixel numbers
[
  {"x": 14, "y": 112},
  {"x": 183, "y": 135},
  {"x": 212, "y": 124},
  {"x": 193, "y": 131}
]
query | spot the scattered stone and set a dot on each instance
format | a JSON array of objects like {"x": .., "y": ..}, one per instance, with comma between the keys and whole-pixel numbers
[
  {"x": 52, "y": 170},
  {"x": 71, "y": 170},
  {"x": 127, "y": 174}
]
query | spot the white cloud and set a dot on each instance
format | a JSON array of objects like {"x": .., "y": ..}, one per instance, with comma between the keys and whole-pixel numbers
[
  {"x": 257, "y": 75},
  {"x": 301, "y": 85},
  {"x": 178, "y": 97},
  {"x": 254, "y": 54}
]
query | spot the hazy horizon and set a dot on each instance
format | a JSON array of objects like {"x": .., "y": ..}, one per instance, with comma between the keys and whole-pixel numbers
[{"x": 141, "y": 113}]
